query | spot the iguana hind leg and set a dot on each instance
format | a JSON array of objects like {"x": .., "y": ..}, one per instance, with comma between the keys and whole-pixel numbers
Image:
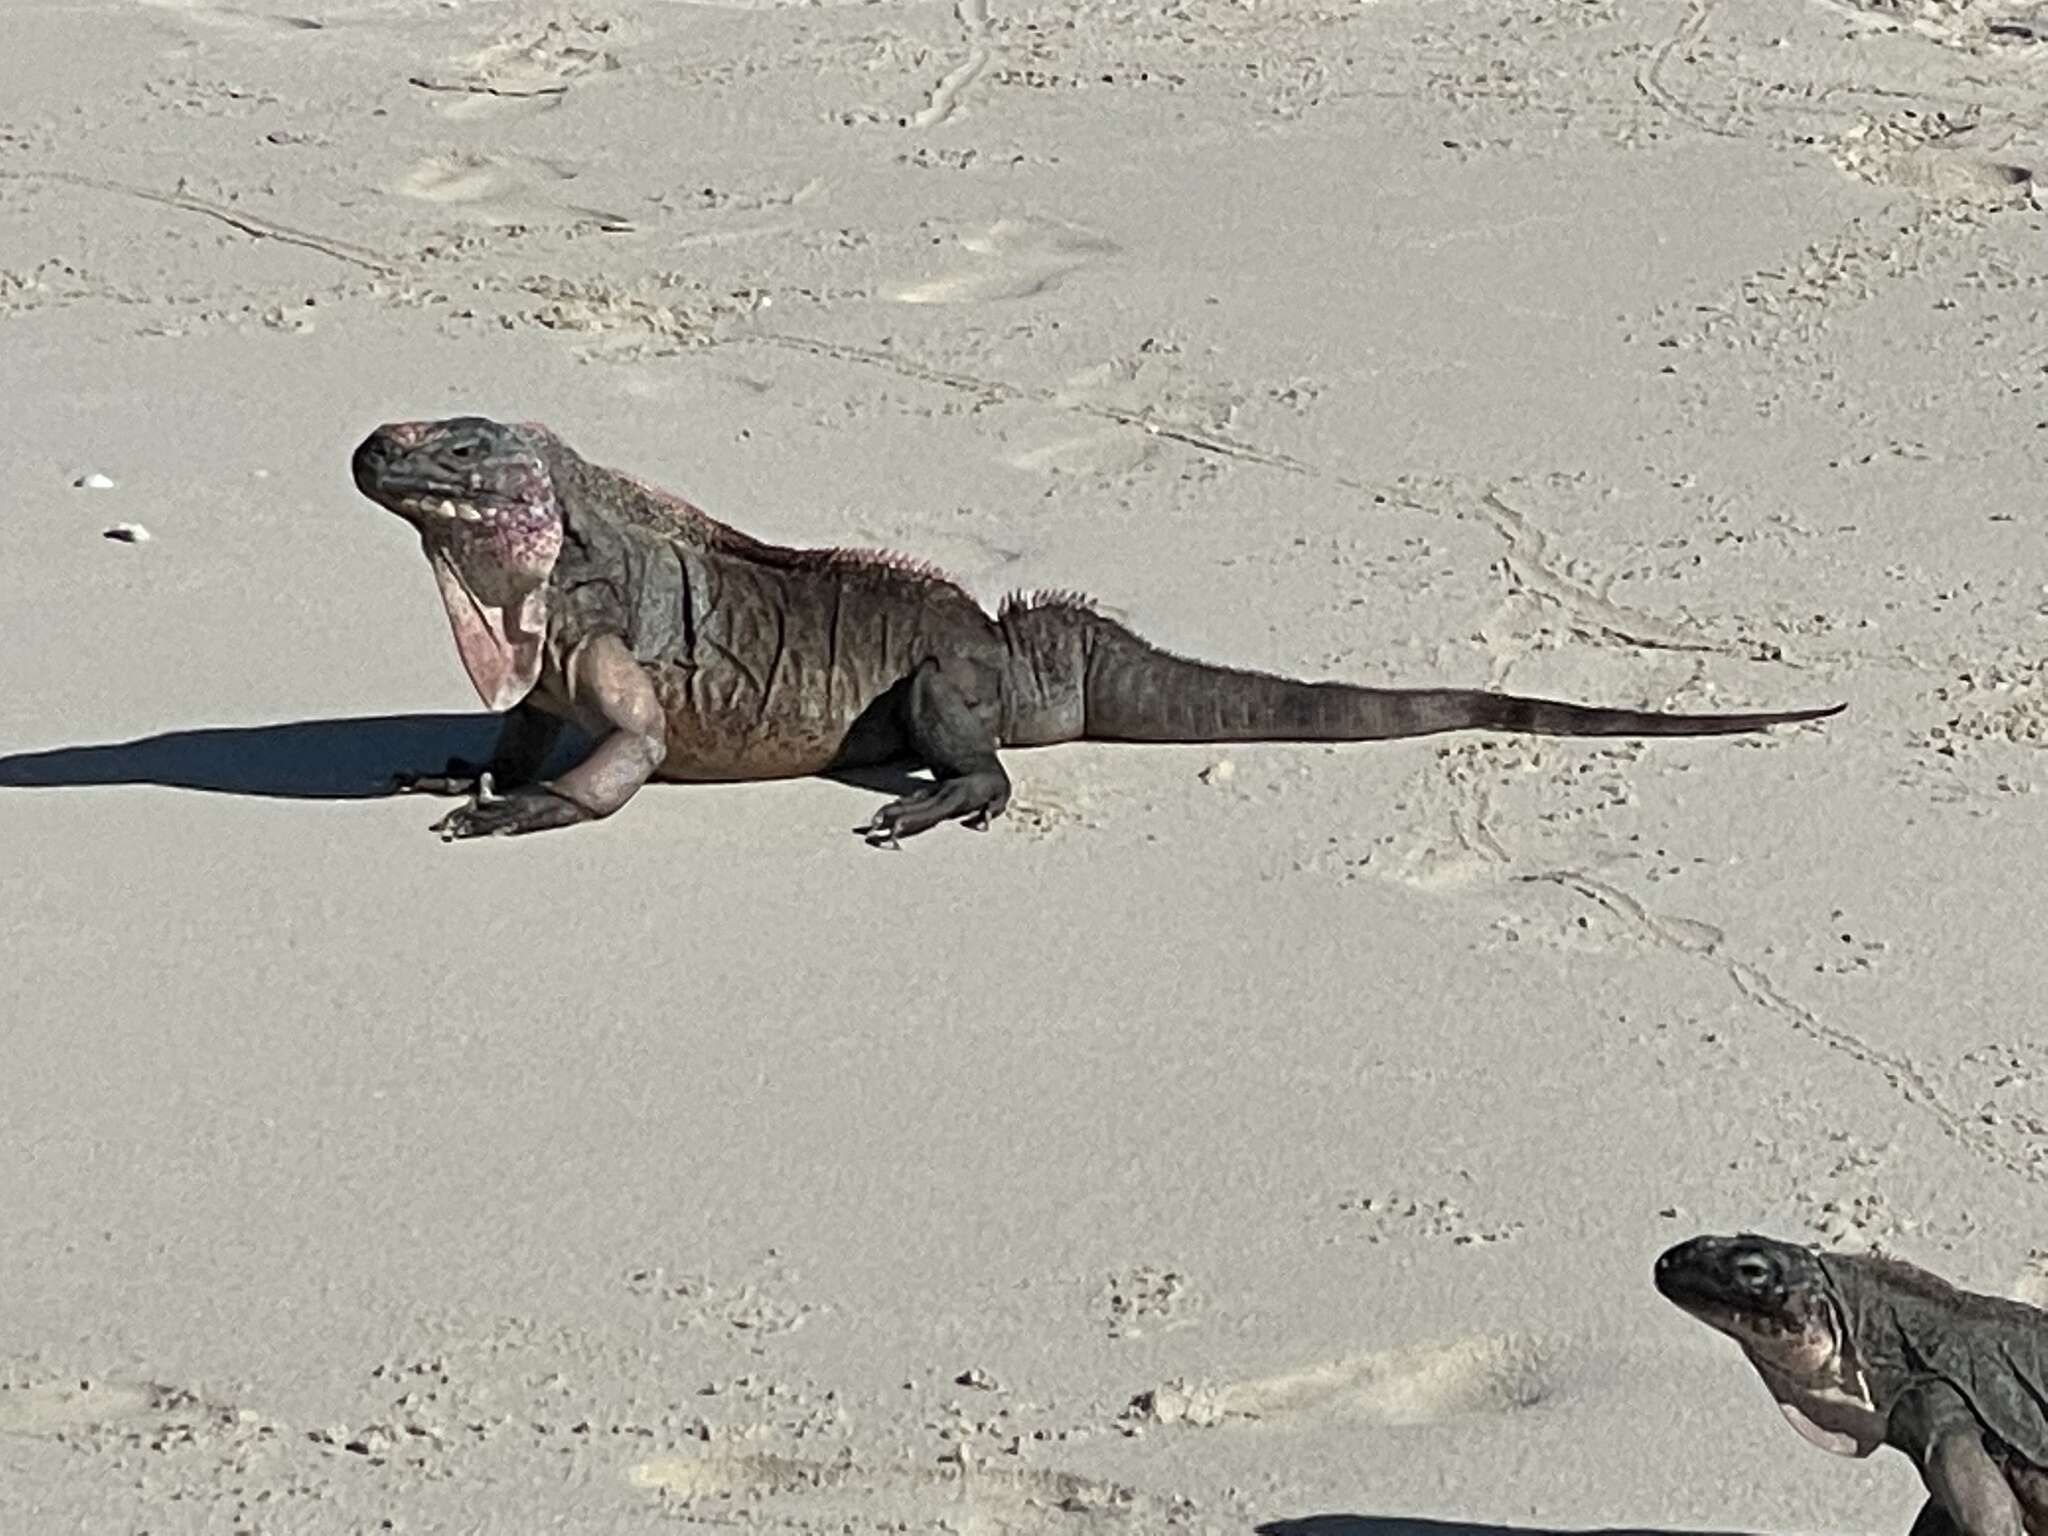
[
  {"x": 1966, "y": 1491},
  {"x": 959, "y": 747},
  {"x": 524, "y": 741}
]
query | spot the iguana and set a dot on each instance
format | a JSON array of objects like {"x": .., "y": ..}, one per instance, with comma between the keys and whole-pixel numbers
[
  {"x": 1862, "y": 1351},
  {"x": 691, "y": 651}
]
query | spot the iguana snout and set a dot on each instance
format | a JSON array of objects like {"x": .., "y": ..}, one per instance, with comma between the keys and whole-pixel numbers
[{"x": 480, "y": 496}]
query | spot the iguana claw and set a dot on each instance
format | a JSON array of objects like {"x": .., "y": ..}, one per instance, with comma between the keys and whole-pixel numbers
[{"x": 879, "y": 831}]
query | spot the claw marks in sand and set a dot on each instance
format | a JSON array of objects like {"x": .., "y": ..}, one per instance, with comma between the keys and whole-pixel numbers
[
  {"x": 1010, "y": 259},
  {"x": 1943, "y": 159},
  {"x": 1148, "y": 1300},
  {"x": 1530, "y": 569},
  {"x": 1707, "y": 943},
  {"x": 236, "y": 17},
  {"x": 1088, "y": 431},
  {"x": 1423, "y": 1384},
  {"x": 947, "y": 95},
  {"x": 71, "y": 1406},
  {"x": 960, "y": 1493},
  {"x": 500, "y": 189},
  {"x": 529, "y": 69}
]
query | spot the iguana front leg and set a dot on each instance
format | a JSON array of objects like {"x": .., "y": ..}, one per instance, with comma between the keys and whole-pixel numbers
[
  {"x": 607, "y": 681},
  {"x": 524, "y": 741},
  {"x": 1967, "y": 1494},
  {"x": 960, "y": 749}
]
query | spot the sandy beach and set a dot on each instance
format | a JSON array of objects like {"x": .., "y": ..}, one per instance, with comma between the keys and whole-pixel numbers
[{"x": 1255, "y": 1138}]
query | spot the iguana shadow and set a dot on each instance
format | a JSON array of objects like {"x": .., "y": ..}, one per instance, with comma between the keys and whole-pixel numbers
[
  {"x": 1410, "y": 1525},
  {"x": 350, "y": 757}
]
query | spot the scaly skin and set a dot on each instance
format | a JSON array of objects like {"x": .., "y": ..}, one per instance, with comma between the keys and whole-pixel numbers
[
  {"x": 1862, "y": 1351},
  {"x": 691, "y": 651}
]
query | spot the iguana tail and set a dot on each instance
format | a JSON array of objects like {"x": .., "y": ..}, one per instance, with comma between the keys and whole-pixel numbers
[{"x": 1134, "y": 691}]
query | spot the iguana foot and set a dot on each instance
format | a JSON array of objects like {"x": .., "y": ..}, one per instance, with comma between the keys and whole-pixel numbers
[
  {"x": 975, "y": 798},
  {"x": 490, "y": 814}
]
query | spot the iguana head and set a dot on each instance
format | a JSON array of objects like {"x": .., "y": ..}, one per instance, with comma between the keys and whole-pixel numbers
[
  {"x": 1777, "y": 1301},
  {"x": 481, "y": 497}
]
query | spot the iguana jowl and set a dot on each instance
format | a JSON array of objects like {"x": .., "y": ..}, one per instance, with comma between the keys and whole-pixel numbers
[
  {"x": 1862, "y": 1351},
  {"x": 692, "y": 651}
]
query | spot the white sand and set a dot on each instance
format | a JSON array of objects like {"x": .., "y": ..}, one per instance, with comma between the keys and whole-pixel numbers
[{"x": 671, "y": 1171}]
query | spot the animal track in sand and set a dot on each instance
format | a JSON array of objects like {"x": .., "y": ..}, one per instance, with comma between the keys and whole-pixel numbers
[
  {"x": 1145, "y": 1300},
  {"x": 54, "y": 1407},
  {"x": 146, "y": 1413},
  {"x": 1903, "y": 1073},
  {"x": 2032, "y": 1284},
  {"x": 1015, "y": 258},
  {"x": 1056, "y": 449},
  {"x": 211, "y": 15},
  {"x": 1970, "y": 26},
  {"x": 962, "y": 1495},
  {"x": 1150, "y": 386},
  {"x": 528, "y": 70},
  {"x": 1939, "y": 158},
  {"x": 1390, "y": 1218},
  {"x": 1424, "y": 1384},
  {"x": 946, "y": 96},
  {"x": 499, "y": 189}
]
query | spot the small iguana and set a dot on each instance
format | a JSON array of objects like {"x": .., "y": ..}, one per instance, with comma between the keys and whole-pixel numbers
[
  {"x": 691, "y": 651},
  {"x": 1862, "y": 1351}
]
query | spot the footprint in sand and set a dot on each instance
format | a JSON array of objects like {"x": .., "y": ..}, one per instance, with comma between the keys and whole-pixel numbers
[
  {"x": 1056, "y": 449},
  {"x": 1479, "y": 1374},
  {"x": 968, "y": 1497},
  {"x": 1012, "y": 259},
  {"x": 42, "y": 1410},
  {"x": 527, "y": 70},
  {"x": 1944, "y": 161},
  {"x": 2032, "y": 1284},
  {"x": 1109, "y": 414},
  {"x": 207, "y": 14},
  {"x": 498, "y": 189}
]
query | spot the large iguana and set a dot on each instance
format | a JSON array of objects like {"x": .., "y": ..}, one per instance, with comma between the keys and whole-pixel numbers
[
  {"x": 1862, "y": 1351},
  {"x": 691, "y": 651}
]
